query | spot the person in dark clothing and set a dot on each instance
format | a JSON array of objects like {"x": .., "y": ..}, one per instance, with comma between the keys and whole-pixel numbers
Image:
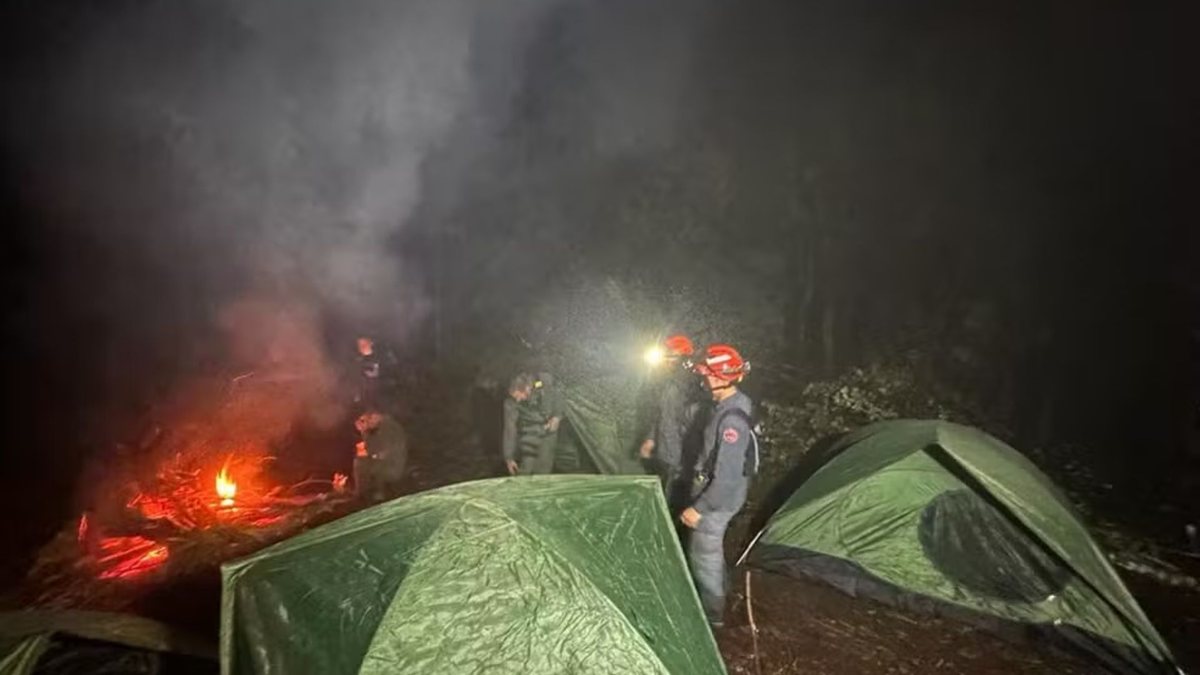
[
  {"x": 532, "y": 414},
  {"x": 676, "y": 410},
  {"x": 380, "y": 456},
  {"x": 376, "y": 377},
  {"x": 722, "y": 475}
]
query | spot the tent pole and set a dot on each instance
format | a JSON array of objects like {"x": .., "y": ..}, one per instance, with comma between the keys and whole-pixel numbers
[
  {"x": 753, "y": 626},
  {"x": 745, "y": 553}
]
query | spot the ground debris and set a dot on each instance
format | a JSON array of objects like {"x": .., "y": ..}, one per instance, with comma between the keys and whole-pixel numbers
[
  {"x": 200, "y": 487},
  {"x": 109, "y": 571}
]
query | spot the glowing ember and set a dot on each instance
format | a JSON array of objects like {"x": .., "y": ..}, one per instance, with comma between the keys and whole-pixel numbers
[
  {"x": 126, "y": 557},
  {"x": 151, "y": 507},
  {"x": 82, "y": 531},
  {"x": 226, "y": 488}
]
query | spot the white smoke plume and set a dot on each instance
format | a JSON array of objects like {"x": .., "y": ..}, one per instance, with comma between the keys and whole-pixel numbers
[
  {"x": 288, "y": 135},
  {"x": 275, "y": 148}
]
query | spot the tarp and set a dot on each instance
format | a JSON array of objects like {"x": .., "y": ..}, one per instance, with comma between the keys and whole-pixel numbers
[
  {"x": 943, "y": 517},
  {"x": 69, "y": 641},
  {"x": 538, "y": 574},
  {"x": 601, "y": 434}
]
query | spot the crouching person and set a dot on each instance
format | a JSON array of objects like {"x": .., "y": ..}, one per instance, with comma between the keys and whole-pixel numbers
[
  {"x": 722, "y": 476},
  {"x": 380, "y": 456}
]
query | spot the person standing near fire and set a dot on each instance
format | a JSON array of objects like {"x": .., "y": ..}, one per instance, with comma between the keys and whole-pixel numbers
[
  {"x": 723, "y": 473},
  {"x": 532, "y": 414},
  {"x": 675, "y": 412},
  {"x": 376, "y": 376},
  {"x": 380, "y": 457}
]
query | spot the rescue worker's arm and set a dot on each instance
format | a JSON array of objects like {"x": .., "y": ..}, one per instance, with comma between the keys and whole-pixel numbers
[
  {"x": 508, "y": 439},
  {"x": 727, "y": 488},
  {"x": 670, "y": 406},
  {"x": 647, "y": 448}
]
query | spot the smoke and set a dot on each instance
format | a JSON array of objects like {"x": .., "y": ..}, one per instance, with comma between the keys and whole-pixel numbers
[
  {"x": 283, "y": 139},
  {"x": 191, "y": 155},
  {"x": 281, "y": 144}
]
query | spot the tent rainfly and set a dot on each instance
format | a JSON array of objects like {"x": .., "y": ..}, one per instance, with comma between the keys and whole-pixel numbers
[
  {"x": 73, "y": 642},
  {"x": 539, "y": 574},
  {"x": 943, "y": 518}
]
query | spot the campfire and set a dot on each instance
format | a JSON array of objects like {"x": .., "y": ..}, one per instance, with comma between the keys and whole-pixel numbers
[
  {"x": 206, "y": 490},
  {"x": 189, "y": 518},
  {"x": 184, "y": 504}
]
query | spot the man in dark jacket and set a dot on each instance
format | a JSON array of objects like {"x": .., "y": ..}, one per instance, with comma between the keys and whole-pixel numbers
[
  {"x": 676, "y": 410},
  {"x": 532, "y": 414},
  {"x": 376, "y": 386},
  {"x": 380, "y": 456},
  {"x": 722, "y": 475}
]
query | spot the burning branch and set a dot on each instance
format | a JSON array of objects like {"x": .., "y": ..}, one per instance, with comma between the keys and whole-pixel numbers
[{"x": 125, "y": 557}]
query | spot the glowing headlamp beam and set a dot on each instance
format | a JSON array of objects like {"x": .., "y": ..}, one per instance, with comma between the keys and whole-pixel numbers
[{"x": 654, "y": 356}]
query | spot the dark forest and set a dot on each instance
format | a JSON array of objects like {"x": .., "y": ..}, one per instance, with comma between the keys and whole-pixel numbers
[{"x": 968, "y": 210}]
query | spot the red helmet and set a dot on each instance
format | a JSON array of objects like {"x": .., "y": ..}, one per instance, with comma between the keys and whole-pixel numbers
[
  {"x": 724, "y": 362},
  {"x": 679, "y": 346}
]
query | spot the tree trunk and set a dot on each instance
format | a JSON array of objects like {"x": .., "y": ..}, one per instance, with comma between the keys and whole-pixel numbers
[
  {"x": 828, "y": 335},
  {"x": 809, "y": 294}
]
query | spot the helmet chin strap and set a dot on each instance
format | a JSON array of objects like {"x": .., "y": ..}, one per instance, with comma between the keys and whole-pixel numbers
[{"x": 727, "y": 385}]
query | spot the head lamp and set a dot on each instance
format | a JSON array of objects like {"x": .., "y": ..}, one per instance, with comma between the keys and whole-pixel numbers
[{"x": 654, "y": 356}]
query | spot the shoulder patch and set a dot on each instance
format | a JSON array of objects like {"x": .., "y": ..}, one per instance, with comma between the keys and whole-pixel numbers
[{"x": 729, "y": 435}]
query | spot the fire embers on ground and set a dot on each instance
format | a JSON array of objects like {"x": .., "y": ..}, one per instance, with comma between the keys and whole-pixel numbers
[
  {"x": 198, "y": 487},
  {"x": 121, "y": 557},
  {"x": 190, "y": 520},
  {"x": 179, "y": 505},
  {"x": 229, "y": 504},
  {"x": 125, "y": 557}
]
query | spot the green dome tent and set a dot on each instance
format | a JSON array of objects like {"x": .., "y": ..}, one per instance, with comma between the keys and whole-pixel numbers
[
  {"x": 943, "y": 518},
  {"x": 540, "y": 574},
  {"x": 73, "y": 642}
]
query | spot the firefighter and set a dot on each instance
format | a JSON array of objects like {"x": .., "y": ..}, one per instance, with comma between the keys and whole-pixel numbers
[
  {"x": 722, "y": 475},
  {"x": 376, "y": 376},
  {"x": 676, "y": 409},
  {"x": 532, "y": 414},
  {"x": 380, "y": 456}
]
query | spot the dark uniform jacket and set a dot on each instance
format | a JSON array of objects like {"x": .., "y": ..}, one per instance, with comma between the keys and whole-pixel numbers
[
  {"x": 525, "y": 421},
  {"x": 376, "y": 379},
  {"x": 387, "y": 445},
  {"x": 726, "y": 474},
  {"x": 676, "y": 410}
]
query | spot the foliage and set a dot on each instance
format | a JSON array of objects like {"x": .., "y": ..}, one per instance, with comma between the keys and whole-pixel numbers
[{"x": 859, "y": 396}]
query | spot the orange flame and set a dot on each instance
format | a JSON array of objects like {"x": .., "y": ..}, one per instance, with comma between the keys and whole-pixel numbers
[{"x": 226, "y": 488}]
